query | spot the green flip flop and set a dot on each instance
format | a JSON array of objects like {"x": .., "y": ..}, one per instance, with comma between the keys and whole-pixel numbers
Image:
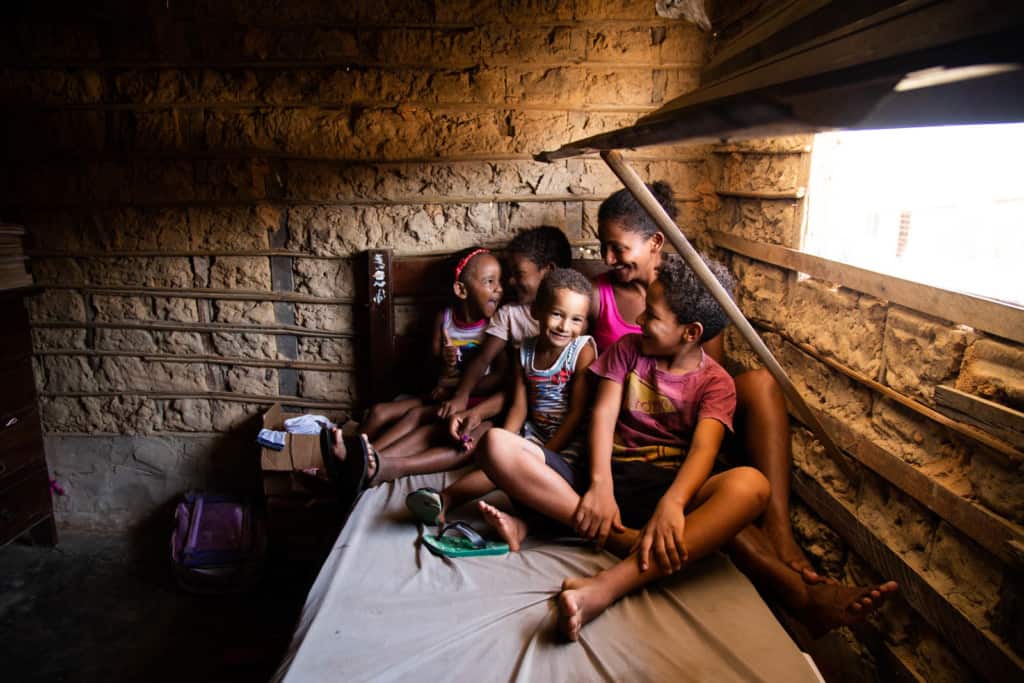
[
  {"x": 469, "y": 544},
  {"x": 425, "y": 504}
]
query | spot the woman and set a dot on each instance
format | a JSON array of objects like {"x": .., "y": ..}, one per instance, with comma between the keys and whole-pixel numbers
[{"x": 631, "y": 245}]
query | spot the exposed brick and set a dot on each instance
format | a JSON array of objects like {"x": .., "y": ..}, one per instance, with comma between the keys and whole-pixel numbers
[
  {"x": 899, "y": 521},
  {"x": 683, "y": 42},
  {"x": 110, "y": 415},
  {"x": 914, "y": 438},
  {"x": 58, "y": 339},
  {"x": 188, "y": 415},
  {"x": 127, "y": 373},
  {"x": 968, "y": 576},
  {"x": 330, "y": 386},
  {"x": 921, "y": 352},
  {"x": 240, "y": 272},
  {"x": 770, "y": 221},
  {"x": 762, "y": 172},
  {"x": 326, "y": 278},
  {"x": 244, "y": 312},
  {"x": 760, "y": 289},
  {"x": 809, "y": 456},
  {"x": 338, "y": 351},
  {"x": 596, "y": 10},
  {"x": 139, "y": 341},
  {"x": 839, "y": 323},
  {"x": 55, "y": 304},
  {"x": 50, "y": 86},
  {"x": 826, "y": 390},
  {"x": 994, "y": 370},
  {"x": 997, "y": 485},
  {"x": 244, "y": 345},
  {"x": 328, "y": 318},
  {"x": 230, "y": 416},
  {"x": 252, "y": 381},
  {"x": 822, "y": 545}
]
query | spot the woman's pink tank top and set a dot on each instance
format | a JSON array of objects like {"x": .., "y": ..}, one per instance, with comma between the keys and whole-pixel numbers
[{"x": 608, "y": 324}]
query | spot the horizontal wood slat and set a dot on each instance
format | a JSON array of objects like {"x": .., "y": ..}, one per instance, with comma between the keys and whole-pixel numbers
[{"x": 998, "y": 318}]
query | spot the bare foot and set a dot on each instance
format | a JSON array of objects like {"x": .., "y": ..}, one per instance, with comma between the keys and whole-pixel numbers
[
  {"x": 338, "y": 449},
  {"x": 831, "y": 605},
  {"x": 580, "y": 602},
  {"x": 511, "y": 529},
  {"x": 787, "y": 550},
  {"x": 375, "y": 463}
]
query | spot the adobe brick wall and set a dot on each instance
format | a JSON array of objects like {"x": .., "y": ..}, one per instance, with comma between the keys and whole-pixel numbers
[
  {"x": 256, "y": 147},
  {"x": 911, "y": 353}
]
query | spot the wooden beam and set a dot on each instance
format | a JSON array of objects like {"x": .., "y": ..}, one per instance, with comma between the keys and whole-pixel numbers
[
  {"x": 160, "y": 326},
  {"x": 215, "y": 360},
  {"x": 209, "y": 395},
  {"x": 982, "y": 650},
  {"x": 796, "y": 193},
  {"x": 992, "y": 532},
  {"x": 1015, "y": 456},
  {"x": 379, "y": 284},
  {"x": 1003, "y": 319},
  {"x": 206, "y": 293},
  {"x": 1004, "y": 422}
]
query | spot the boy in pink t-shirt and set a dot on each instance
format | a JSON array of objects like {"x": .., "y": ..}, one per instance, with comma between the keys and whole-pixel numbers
[{"x": 661, "y": 411}]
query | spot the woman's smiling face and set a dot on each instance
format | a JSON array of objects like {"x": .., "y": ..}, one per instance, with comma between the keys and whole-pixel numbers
[{"x": 629, "y": 254}]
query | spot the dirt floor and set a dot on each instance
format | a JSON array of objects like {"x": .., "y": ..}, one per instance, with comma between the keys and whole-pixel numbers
[{"x": 102, "y": 608}]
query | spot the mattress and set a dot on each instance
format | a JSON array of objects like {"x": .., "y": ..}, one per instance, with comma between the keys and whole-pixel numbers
[{"x": 383, "y": 608}]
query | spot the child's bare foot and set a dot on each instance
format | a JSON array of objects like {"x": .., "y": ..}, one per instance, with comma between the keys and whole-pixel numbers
[
  {"x": 580, "y": 602},
  {"x": 377, "y": 469},
  {"x": 831, "y": 605},
  {"x": 338, "y": 449},
  {"x": 511, "y": 529}
]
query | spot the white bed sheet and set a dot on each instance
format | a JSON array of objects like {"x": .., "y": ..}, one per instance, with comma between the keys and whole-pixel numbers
[{"x": 383, "y": 608}]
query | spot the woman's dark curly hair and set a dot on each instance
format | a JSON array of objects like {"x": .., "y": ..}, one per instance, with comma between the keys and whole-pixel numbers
[
  {"x": 687, "y": 297},
  {"x": 543, "y": 245},
  {"x": 560, "y": 278},
  {"x": 623, "y": 206}
]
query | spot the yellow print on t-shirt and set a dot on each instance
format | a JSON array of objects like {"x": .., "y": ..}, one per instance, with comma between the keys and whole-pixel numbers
[{"x": 641, "y": 397}]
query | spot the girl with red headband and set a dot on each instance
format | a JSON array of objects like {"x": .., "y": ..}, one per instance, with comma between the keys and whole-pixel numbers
[{"x": 406, "y": 437}]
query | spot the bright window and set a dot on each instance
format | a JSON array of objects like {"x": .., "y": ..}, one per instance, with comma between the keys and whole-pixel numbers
[{"x": 941, "y": 206}]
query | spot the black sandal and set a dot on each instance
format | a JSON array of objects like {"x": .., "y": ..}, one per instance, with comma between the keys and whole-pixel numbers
[
  {"x": 369, "y": 452},
  {"x": 348, "y": 475}
]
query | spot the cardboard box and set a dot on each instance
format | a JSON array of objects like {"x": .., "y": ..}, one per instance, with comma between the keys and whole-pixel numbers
[{"x": 298, "y": 468}]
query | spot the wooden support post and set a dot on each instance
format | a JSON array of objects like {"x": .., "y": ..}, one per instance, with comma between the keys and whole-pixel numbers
[
  {"x": 380, "y": 327},
  {"x": 665, "y": 223}
]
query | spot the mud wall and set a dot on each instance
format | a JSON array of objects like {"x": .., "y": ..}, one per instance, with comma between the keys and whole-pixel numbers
[
  {"x": 920, "y": 495},
  {"x": 197, "y": 176}
]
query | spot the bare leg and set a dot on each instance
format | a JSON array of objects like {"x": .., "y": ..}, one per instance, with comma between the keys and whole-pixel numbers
[
  {"x": 764, "y": 425},
  {"x": 517, "y": 467},
  {"x": 429, "y": 460},
  {"x": 416, "y": 441},
  {"x": 383, "y": 414},
  {"x": 466, "y": 488},
  {"x": 413, "y": 418},
  {"x": 821, "y": 606},
  {"x": 724, "y": 505}
]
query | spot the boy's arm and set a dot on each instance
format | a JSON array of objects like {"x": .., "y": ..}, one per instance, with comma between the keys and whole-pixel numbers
[
  {"x": 577, "y": 402},
  {"x": 471, "y": 374},
  {"x": 665, "y": 531},
  {"x": 518, "y": 410},
  {"x": 598, "y": 513}
]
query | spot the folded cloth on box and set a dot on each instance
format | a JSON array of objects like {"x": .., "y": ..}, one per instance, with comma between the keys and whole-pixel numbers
[
  {"x": 271, "y": 439},
  {"x": 307, "y": 424}
]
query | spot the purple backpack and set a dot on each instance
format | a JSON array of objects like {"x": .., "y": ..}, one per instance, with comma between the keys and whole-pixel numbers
[{"x": 218, "y": 543}]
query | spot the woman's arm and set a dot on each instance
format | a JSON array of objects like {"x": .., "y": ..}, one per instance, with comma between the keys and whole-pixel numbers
[
  {"x": 518, "y": 409},
  {"x": 577, "y": 401}
]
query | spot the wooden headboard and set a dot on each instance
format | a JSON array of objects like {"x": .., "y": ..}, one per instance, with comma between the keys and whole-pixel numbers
[{"x": 394, "y": 359}]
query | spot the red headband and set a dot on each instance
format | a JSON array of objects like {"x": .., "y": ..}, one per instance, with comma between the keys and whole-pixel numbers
[{"x": 466, "y": 259}]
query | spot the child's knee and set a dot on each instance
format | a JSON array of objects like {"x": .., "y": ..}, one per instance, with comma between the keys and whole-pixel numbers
[
  {"x": 748, "y": 484},
  {"x": 493, "y": 446}
]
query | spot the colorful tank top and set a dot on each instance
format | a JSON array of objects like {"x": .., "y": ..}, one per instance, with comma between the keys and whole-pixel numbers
[
  {"x": 609, "y": 326},
  {"x": 548, "y": 392},
  {"x": 466, "y": 339}
]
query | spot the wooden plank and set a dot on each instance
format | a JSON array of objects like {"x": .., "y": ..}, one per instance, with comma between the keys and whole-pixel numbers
[
  {"x": 380, "y": 325},
  {"x": 1014, "y": 455},
  {"x": 796, "y": 193},
  {"x": 216, "y": 360},
  {"x": 206, "y": 293},
  {"x": 779, "y": 17},
  {"x": 1003, "y": 421},
  {"x": 987, "y": 529},
  {"x": 160, "y": 326},
  {"x": 211, "y": 395},
  {"x": 1003, "y": 319},
  {"x": 982, "y": 650}
]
